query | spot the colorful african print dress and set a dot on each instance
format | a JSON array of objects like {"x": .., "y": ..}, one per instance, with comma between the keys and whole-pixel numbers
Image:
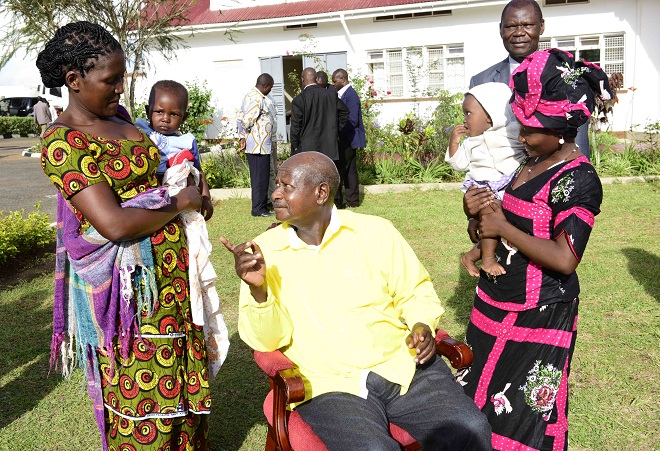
[
  {"x": 523, "y": 325},
  {"x": 158, "y": 397}
]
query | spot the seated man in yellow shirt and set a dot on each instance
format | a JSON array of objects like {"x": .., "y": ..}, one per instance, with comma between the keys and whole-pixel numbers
[{"x": 345, "y": 298}]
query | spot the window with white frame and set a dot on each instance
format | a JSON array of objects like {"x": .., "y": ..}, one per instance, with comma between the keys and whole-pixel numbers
[
  {"x": 417, "y": 71},
  {"x": 563, "y": 2},
  {"x": 606, "y": 50}
]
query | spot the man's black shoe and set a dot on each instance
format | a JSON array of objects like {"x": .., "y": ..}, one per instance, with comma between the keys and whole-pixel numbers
[{"x": 265, "y": 215}]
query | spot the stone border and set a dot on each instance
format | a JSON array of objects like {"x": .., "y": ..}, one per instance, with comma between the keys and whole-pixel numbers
[
  {"x": 244, "y": 193},
  {"x": 27, "y": 153},
  {"x": 8, "y": 136}
]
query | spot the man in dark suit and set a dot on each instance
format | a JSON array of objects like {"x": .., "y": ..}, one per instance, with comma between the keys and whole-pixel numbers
[
  {"x": 521, "y": 26},
  {"x": 351, "y": 138},
  {"x": 317, "y": 115}
]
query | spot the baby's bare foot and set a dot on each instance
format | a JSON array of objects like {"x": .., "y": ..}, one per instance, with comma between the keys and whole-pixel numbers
[
  {"x": 470, "y": 265},
  {"x": 490, "y": 265}
]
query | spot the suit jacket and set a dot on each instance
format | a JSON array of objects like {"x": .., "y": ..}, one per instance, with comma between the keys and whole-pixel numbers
[
  {"x": 498, "y": 73},
  {"x": 317, "y": 115},
  {"x": 353, "y": 131}
]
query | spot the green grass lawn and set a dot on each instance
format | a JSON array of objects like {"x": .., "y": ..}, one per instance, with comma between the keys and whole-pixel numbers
[{"x": 615, "y": 379}]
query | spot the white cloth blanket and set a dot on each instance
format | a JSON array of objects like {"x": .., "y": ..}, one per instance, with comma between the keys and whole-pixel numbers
[{"x": 204, "y": 302}]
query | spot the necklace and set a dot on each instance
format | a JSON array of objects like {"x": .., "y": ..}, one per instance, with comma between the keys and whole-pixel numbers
[{"x": 536, "y": 163}]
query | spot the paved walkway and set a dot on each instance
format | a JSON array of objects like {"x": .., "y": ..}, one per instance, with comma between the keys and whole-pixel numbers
[{"x": 22, "y": 181}]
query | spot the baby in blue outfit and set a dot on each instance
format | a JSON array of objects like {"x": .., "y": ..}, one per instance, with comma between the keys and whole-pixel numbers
[{"x": 167, "y": 110}]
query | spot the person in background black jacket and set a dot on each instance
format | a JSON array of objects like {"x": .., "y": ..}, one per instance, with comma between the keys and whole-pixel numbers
[{"x": 317, "y": 115}]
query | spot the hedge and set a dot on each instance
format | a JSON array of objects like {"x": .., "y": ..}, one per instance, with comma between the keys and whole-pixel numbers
[
  {"x": 14, "y": 125},
  {"x": 19, "y": 234}
]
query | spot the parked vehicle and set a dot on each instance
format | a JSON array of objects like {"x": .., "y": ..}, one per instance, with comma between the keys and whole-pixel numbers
[
  {"x": 21, "y": 99},
  {"x": 21, "y": 106}
]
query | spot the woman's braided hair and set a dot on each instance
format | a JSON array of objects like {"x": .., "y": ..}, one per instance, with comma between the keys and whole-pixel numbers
[{"x": 75, "y": 46}]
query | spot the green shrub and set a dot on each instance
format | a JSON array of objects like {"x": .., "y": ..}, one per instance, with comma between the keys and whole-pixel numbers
[
  {"x": 14, "y": 125},
  {"x": 227, "y": 170},
  {"x": 200, "y": 110},
  {"x": 19, "y": 234},
  {"x": 629, "y": 162}
]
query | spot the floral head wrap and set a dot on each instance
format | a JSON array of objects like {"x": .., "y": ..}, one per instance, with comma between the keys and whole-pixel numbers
[{"x": 552, "y": 90}]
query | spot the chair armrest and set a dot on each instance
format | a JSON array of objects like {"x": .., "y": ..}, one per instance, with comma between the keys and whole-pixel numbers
[
  {"x": 290, "y": 384},
  {"x": 288, "y": 387},
  {"x": 272, "y": 362},
  {"x": 458, "y": 353}
]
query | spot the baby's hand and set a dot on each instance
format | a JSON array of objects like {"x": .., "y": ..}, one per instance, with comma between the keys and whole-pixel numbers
[
  {"x": 207, "y": 208},
  {"x": 457, "y": 133}
]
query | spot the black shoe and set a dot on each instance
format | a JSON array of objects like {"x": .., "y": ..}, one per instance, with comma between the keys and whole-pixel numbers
[
  {"x": 340, "y": 206},
  {"x": 352, "y": 205},
  {"x": 265, "y": 215}
]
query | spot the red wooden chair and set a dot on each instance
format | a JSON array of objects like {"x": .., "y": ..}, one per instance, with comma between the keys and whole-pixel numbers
[{"x": 286, "y": 429}]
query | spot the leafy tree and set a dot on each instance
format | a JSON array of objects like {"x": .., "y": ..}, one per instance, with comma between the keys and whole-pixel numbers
[{"x": 140, "y": 26}]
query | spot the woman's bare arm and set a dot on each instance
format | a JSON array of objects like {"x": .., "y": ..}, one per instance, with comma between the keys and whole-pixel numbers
[
  {"x": 555, "y": 255},
  {"x": 99, "y": 206}
]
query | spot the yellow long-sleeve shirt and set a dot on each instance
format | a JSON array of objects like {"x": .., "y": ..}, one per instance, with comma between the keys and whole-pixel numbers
[{"x": 337, "y": 310}]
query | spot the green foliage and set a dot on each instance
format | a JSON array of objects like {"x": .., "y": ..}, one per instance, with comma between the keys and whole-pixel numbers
[
  {"x": 431, "y": 171},
  {"x": 652, "y": 134},
  {"x": 18, "y": 234},
  {"x": 640, "y": 157},
  {"x": 227, "y": 170},
  {"x": 599, "y": 142},
  {"x": 411, "y": 151},
  {"x": 294, "y": 79},
  {"x": 447, "y": 114},
  {"x": 200, "y": 110},
  {"x": 631, "y": 161},
  {"x": 14, "y": 125}
]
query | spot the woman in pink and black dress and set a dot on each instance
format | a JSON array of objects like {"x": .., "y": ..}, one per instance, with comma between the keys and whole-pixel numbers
[{"x": 524, "y": 323}]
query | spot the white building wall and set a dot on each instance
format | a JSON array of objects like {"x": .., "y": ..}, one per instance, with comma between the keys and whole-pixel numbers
[{"x": 475, "y": 27}]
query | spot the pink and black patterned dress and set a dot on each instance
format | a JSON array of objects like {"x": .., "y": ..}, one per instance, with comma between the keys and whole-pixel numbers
[{"x": 524, "y": 324}]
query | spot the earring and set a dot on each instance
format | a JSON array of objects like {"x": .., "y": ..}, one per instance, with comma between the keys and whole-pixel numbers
[{"x": 561, "y": 140}]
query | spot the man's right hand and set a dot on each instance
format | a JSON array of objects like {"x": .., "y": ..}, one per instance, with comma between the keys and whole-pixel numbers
[{"x": 250, "y": 266}]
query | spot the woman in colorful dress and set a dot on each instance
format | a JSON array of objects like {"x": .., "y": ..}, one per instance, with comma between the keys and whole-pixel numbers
[
  {"x": 523, "y": 324},
  {"x": 121, "y": 285}
]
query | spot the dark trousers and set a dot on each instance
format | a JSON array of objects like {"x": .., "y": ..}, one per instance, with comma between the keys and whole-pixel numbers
[
  {"x": 582, "y": 140},
  {"x": 348, "y": 173},
  {"x": 434, "y": 410},
  {"x": 272, "y": 175},
  {"x": 259, "y": 172}
]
